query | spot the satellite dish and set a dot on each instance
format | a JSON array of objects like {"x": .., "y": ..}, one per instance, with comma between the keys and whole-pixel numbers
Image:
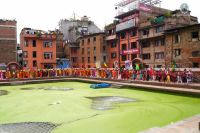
[{"x": 184, "y": 8}]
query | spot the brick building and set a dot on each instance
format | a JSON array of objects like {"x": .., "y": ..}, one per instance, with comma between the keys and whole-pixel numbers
[
  {"x": 92, "y": 51},
  {"x": 111, "y": 42},
  {"x": 59, "y": 44},
  {"x": 39, "y": 48},
  {"x": 8, "y": 41},
  {"x": 183, "y": 46},
  {"x": 152, "y": 39}
]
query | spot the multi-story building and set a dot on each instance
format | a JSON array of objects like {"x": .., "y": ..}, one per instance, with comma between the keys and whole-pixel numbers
[
  {"x": 8, "y": 41},
  {"x": 183, "y": 46},
  {"x": 59, "y": 44},
  {"x": 75, "y": 28},
  {"x": 111, "y": 40},
  {"x": 127, "y": 28},
  {"x": 39, "y": 48},
  {"x": 72, "y": 30},
  {"x": 93, "y": 51},
  {"x": 152, "y": 40}
]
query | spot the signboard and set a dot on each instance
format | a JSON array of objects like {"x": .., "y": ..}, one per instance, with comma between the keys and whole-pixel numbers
[
  {"x": 131, "y": 51},
  {"x": 125, "y": 25},
  {"x": 144, "y": 7}
]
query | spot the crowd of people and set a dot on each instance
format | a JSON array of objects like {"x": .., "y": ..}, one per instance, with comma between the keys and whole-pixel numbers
[{"x": 160, "y": 75}]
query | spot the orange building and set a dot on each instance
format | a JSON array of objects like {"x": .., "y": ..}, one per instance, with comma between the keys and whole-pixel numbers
[
  {"x": 39, "y": 49},
  {"x": 128, "y": 26}
]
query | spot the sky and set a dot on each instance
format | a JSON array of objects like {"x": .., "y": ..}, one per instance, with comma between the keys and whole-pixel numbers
[{"x": 45, "y": 14}]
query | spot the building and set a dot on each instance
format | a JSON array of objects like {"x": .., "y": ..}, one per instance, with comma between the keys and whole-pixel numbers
[
  {"x": 152, "y": 40},
  {"x": 72, "y": 30},
  {"x": 92, "y": 52},
  {"x": 59, "y": 44},
  {"x": 128, "y": 24},
  {"x": 183, "y": 46},
  {"x": 75, "y": 28},
  {"x": 111, "y": 42},
  {"x": 8, "y": 41},
  {"x": 39, "y": 48}
]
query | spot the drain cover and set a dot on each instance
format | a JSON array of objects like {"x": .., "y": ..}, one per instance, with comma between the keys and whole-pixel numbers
[{"x": 27, "y": 127}]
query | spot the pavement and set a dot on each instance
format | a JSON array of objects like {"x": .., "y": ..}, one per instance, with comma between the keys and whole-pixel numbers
[{"x": 190, "y": 125}]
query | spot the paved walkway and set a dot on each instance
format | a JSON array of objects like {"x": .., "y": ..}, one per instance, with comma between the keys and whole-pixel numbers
[{"x": 190, "y": 125}]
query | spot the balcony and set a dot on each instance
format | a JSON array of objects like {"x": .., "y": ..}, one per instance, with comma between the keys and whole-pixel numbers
[
  {"x": 126, "y": 25},
  {"x": 111, "y": 37}
]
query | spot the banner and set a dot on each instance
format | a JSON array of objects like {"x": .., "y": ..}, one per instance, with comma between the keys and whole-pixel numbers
[
  {"x": 128, "y": 65},
  {"x": 131, "y": 51},
  {"x": 116, "y": 64}
]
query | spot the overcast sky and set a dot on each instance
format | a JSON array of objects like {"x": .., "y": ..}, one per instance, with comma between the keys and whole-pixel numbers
[{"x": 45, "y": 14}]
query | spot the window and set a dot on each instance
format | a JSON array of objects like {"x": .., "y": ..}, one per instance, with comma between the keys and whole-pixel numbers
[
  {"x": 95, "y": 59},
  {"x": 25, "y": 63},
  {"x": 94, "y": 39},
  {"x": 104, "y": 58},
  {"x": 113, "y": 44},
  {"x": 82, "y": 50},
  {"x": 82, "y": 42},
  {"x": 113, "y": 55},
  {"x": 25, "y": 54},
  {"x": 195, "y": 53},
  {"x": 48, "y": 55},
  {"x": 94, "y": 50},
  {"x": 195, "y": 65},
  {"x": 88, "y": 41},
  {"x": 133, "y": 56},
  {"x": 47, "y": 44},
  {"x": 145, "y": 32},
  {"x": 133, "y": 45},
  {"x": 88, "y": 59},
  {"x": 146, "y": 56},
  {"x": 195, "y": 36},
  {"x": 83, "y": 59},
  {"x": 48, "y": 66},
  {"x": 34, "y": 43},
  {"x": 34, "y": 54},
  {"x": 123, "y": 46},
  {"x": 145, "y": 44},
  {"x": 159, "y": 66},
  {"x": 123, "y": 35},
  {"x": 123, "y": 57},
  {"x": 159, "y": 55},
  {"x": 177, "y": 38},
  {"x": 133, "y": 33},
  {"x": 34, "y": 63},
  {"x": 74, "y": 59},
  {"x": 88, "y": 51},
  {"x": 159, "y": 42},
  {"x": 177, "y": 52},
  {"x": 159, "y": 29},
  {"x": 26, "y": 43},
  {"x": 104, "y": 48}
]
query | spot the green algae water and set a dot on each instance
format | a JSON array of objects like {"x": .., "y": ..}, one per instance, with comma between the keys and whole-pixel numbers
[{"x": 72, "y": 110}]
